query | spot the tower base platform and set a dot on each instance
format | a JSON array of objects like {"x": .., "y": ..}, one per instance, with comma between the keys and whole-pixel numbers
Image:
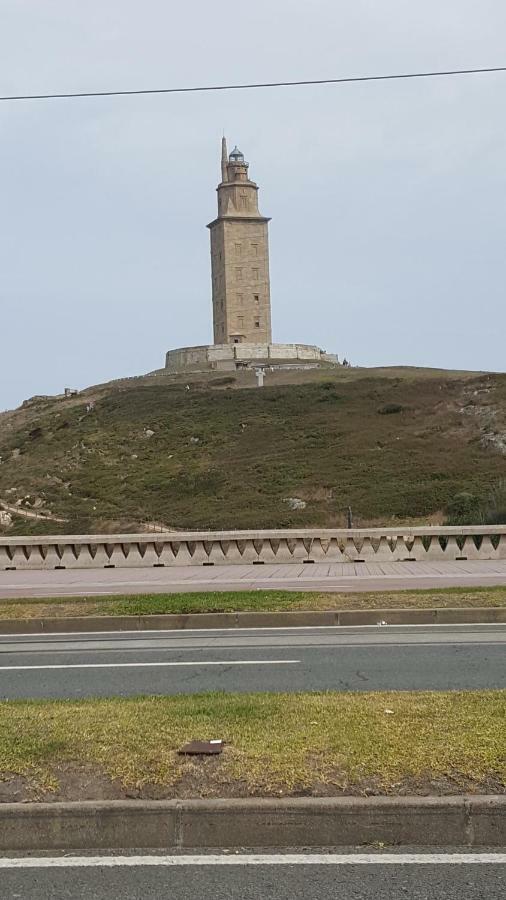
[{"x": 230, "y": 357}]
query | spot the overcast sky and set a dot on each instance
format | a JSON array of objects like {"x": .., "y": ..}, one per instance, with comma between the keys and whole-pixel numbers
[{"x": 387, "y": 200}]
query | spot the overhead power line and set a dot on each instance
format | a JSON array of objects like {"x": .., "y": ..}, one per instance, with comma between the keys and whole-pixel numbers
[{"x": 253, "y": 86}]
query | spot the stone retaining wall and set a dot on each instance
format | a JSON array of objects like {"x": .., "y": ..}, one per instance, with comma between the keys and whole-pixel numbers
[
  {"x": 253, "y": 547},
  {"x": 229, "y": 357}
]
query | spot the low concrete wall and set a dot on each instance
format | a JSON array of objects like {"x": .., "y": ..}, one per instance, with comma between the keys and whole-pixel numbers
[
  {"x": 464, "y": 821},
  {"x": 492, "y": 615},
  {"x": 255, "y": 547}
]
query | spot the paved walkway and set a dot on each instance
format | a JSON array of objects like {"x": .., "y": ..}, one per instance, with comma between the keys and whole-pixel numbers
[
  {"x": 316, "y": 577},
  {"x": 30, "y": 514}
]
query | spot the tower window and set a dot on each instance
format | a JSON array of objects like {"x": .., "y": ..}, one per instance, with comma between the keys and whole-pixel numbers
[
  {"x": 256, "y": 298},
  {"x": 240, "y": 321},
  {"x": 255, "y": 274},
  {"x": 254, "y": 248},
  {"x": 239, "y": 299},
  {"x": 238, "y": 274},
  {"x": 238, "y": 249},
  {"x": 257, "y": 323}
]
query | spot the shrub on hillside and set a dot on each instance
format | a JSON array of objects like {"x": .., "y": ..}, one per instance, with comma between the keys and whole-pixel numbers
[
  {"x": 390, "y": 409},
  {"x": 494, "y": 508},
  {"x": 468, "y": 509},
  {"x": 464, "y": 509},
  {"x": 222, "y": 382}
]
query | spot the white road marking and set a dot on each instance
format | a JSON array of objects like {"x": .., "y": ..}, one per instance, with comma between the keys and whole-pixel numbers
[
  {"x": 153, "y": 665},
  {"x": 464, "y": 627},
  {"x": 44, "y": 649},
  {"x": 260, "y": 859}
]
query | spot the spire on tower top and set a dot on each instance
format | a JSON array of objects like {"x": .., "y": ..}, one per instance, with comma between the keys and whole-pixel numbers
[{"x": 224, "y": 159}]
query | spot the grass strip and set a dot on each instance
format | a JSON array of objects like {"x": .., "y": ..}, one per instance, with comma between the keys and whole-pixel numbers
[
  {"x": 276, "y": 743},
  {"x": 250, "y": 601}
]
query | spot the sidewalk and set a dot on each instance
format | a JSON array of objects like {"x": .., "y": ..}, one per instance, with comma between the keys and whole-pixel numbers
[{"x": 365, "y": 576}]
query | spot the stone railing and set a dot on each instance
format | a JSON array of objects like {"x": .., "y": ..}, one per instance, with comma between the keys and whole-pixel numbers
[{"x": 254, "y": 547}]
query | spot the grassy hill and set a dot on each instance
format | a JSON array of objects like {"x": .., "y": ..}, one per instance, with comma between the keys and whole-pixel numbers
[{"x": 214, "y": 451}]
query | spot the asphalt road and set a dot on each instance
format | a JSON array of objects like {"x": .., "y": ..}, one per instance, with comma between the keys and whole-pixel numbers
[
  {"x": 428, "y": 657},
  {"x": 317, "y": 577},
  {"x": 330, "y": 880}
]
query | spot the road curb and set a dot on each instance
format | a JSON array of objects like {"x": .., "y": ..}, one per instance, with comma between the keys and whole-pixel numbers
[
  {"x": 462, "y": 821},
  {"x": 290, "y": 619}
]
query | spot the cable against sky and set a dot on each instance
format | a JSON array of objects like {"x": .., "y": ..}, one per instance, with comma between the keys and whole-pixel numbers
[{"x": 244, "y": 87}]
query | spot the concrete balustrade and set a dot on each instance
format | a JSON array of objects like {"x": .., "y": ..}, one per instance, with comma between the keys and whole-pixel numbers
[{"x": 261, "y": 547}]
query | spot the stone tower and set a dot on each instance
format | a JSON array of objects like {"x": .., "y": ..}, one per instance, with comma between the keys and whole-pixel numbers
[{"x": 239, "y": 258}]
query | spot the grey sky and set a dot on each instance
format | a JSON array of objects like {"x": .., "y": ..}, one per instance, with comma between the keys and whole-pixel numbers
[{"x": 388, "y": 200}]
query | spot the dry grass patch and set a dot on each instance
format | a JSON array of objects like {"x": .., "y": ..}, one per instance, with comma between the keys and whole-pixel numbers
[{"x": 276, "y": 744}]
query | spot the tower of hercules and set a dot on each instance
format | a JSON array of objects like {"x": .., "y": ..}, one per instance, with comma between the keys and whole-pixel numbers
[
  {"x": 241, "y": 288},
  {"x": 239, "y": 258}
]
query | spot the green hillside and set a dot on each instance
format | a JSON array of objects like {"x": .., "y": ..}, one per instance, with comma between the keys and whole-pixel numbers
[{"x": 395, "y": 444}]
